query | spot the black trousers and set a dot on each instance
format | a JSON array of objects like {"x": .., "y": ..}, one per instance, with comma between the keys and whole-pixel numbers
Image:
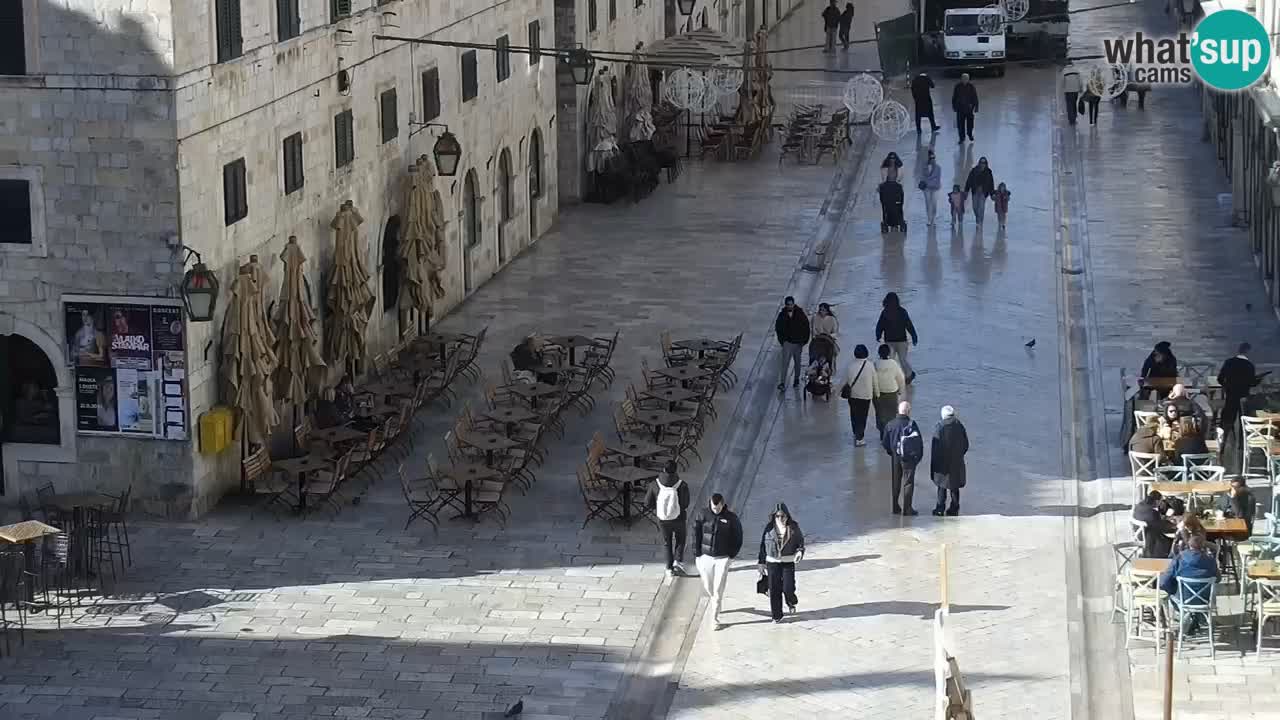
[
  {"x": 921, "y": 114},
  {"x": 904, "y": 482},
  {"x": 964, "y": 125},
  {"x": 1093, "y": 102},
  {"x": 782, "y": 583},
  {"x": 858, "y": 411},
  {"x": 673, "y": 534},
  {"x": 942, "y": 499},
  {"x": 1073, "y": 105}
]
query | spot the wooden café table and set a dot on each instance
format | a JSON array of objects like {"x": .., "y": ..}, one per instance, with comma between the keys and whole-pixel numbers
[
  {"x": 627, "y": 476},
  {"x": 700, "y": 345},
  {"x": 570, "y": 343},
  {"x": 1179, "y": 489},
  {"x": 300, "y": 466},
  {"x": 1148, "y": 566}
]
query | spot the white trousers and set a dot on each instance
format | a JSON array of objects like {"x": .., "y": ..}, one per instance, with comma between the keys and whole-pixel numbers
[{"x": 713, "y": 571}]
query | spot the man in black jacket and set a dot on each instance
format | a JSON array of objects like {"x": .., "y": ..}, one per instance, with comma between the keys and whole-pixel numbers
[
  {"x": 831, "y": 25},
  {"x": 717, "y": 539},
  {"x": 792, "y": 328},
  {"x": 964, "y": 100},
  {"x": 1155, "y": 542},
  {"x": 902, "y": 440},
  {"x": 920, "y": 87},
  {"x": 1237, "y": 378}
]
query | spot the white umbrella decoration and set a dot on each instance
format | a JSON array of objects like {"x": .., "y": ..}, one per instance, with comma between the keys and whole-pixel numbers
[
  {"x": 1107, "y": 81},
  {"x": 890, "y": 120},
  {"x": 684, "y": 89},
  {"x": 602, "y": 126},
  {"x": 862, "y": 94}
]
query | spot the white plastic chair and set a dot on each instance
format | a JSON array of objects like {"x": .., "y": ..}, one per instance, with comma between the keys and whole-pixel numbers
[
  {"x": 1267, "y": 606},
  {"x": 1196, "y": 596},
  {"x": 1142, "y": 417},
  {"x": 1258, "y": 434}
]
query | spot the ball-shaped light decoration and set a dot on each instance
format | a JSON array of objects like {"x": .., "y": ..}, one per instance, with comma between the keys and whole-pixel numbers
[
  {"x": 725, "y": 76},
  {"x": 1107, "y": 81},
  {"x": 711, "y": 97},
  {"x": 992, "y": 23},
  {"x": 684, "y": 89},
  {"x": 1015, "y": 10},
  {"x": 890, "y": 120},
  {"x": 862, "y": 94}
]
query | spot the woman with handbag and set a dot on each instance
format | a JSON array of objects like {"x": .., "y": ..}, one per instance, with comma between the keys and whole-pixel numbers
[
  {"x": 781, "y": 547},
  {"x": 859, "y": 389}
]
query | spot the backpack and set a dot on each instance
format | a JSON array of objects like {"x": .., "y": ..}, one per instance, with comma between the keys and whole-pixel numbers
[
  {"x": 910, "y": 444},
  {"x": 669, "y": 501}
]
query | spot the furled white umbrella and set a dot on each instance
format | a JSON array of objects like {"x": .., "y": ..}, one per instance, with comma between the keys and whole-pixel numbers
[
  {"x": 414, "y": 292},
  {"x": 639, "y": 94},
  {"x": 602, "y": 134}
]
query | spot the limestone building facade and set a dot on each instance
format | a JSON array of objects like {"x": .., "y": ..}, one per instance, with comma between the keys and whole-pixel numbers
[{"x": 133, "y": 130}]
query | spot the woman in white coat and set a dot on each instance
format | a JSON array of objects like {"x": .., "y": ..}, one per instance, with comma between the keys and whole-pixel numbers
[{"x": 859, "y": 388}]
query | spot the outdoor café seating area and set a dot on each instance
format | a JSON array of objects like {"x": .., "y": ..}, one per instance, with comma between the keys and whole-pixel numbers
[
  {"x": 661, "y": 421},
  {"x": 809, "y": 135},
  {"x": 1240, "y": 526}
]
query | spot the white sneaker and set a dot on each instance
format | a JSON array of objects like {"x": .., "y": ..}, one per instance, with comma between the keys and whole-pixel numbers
[
  {"x": 680, "y": 569},
  {"x": 859, "y": 443},
  {"x": 671, "y": 572}
]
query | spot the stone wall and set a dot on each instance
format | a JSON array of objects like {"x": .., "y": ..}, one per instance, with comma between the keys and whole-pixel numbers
[
  {"x": 246, "y": 108},
  {"x": 92, "y": 128}
]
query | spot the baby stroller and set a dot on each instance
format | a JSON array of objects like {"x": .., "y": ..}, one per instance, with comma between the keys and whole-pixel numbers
[
  {"x": 822, "y": 358},
  {"x": 891, "y": 198}
]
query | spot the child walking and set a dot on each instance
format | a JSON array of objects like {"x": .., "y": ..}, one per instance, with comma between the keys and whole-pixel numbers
[
  {"x": 956, "y": 198},
  {"x": 1001, "y": 199}
]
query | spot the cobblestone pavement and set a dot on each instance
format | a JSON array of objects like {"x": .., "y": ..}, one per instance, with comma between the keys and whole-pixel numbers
[
  {"x": 861, "y": 644},
  {"x": 241, "y": 616},
  {"x": 1154, "y": 215}
]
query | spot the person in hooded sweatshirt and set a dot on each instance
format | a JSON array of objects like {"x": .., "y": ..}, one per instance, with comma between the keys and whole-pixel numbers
[
  {"x": 668, "y": 495},
  {"x": 781, "y": 547},
  {"x": 946, "y": 461},
  {"x": 893, "y": 327}
]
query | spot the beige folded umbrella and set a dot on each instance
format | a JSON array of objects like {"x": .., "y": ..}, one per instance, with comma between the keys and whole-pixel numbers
[
  {"x": 248, "y": 360},
  {"x": 414, "y": 291},
  {"x": 432, "y": 210},
  {"x": 350, "y": 301},
  {"x": 298, "y": 361}
]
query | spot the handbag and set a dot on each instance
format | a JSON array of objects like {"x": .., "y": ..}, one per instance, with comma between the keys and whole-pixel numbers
[
  {"x": 762, "y": 585},
  {"x": 1080, "y": 106},
  {"x": 846, "y": 391}
]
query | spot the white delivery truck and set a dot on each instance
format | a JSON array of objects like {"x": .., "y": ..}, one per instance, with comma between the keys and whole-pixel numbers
[{"x": 974, "y": 38}]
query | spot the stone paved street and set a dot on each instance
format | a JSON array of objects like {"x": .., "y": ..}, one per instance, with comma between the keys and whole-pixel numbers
[{"x": 241, "y": 616}]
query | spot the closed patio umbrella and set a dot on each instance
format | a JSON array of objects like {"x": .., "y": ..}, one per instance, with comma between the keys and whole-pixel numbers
[
  {"x": 298, "y": 361},
  {"x": 350, "y": 300},
  {"x": 639, "y": 100},
  {"x": 248, "y": 360},
  {"x": 602, "y": 124},
  {"x": 414, "y": 291},
  {"x": 432, "y": 210}
]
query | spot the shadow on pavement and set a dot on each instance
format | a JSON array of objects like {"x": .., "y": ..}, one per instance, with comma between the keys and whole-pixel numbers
[{"x": 817, "y": 564}]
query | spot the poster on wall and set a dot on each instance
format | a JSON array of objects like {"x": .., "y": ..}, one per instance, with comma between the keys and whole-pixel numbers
[{"x": 130, "y": 364}]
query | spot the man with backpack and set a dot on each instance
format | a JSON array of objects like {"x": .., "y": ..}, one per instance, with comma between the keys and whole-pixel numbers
[
  {"x": 668, "y": 495},
  {"x": 902, "y": 440},
  {"x": 717, "y": 539}
]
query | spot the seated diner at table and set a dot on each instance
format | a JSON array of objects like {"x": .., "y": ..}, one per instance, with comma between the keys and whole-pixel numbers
[
  {"x": 528, "y": 360},
  {"x": 1194, "y": 563},
  {"x": 1159, "y": 365},
  {"x": 336, "y": 406},
  {"x": 1239, "y": 503},
  {"x": 1187, "y": 407},
  {"x": 1146, "y": 438},
  {"x": 1180, "y": 435},
  {"x": 1153, "y": 513},
  {"x": 1189, "y": 526}
]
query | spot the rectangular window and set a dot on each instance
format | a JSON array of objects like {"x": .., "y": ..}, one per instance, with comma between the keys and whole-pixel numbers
[
  {"x": 339, "y": 9},
  {"x": 293, "y": 163},
  {"x": 591, "y": 15},
  {"x": 390, "y": 122},
  {"x": 288, "y": 21},
  {"x": 613, "y": 10},
  {"x": 344, "y": 143},
  {"x": 503, "y": 57},
  {"x": 15, "y": 208},
  {"x": 230, "y": 39},
  {"x": 235, "y": 192},
  {"x": 13, "y": 46},
  {"x": 430, "y": 94},
  {"x": 535, "y": 42},
  {"x": 470, "y": 80}
]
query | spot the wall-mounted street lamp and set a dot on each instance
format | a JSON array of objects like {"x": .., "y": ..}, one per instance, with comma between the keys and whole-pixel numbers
[
  {"x": 447, "y": 150},
  {"x": 581, "y": 63},
  {"x": 199, "y": 289},
  {"x": 686, "y": 6}
]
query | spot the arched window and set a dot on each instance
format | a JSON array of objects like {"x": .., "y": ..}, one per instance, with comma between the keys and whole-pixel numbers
[
  {"x": 535, "y": 164},
  {"x": 471, "y": 208},
  {"x": 27, "y": 399},
  {"x": 391, "y": 264},
  {"x": 506, "y": 189}
]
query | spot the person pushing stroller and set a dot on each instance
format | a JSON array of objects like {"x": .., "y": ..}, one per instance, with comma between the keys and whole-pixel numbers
[
  {"x": 891, "y": 200},
  {"x": 823, "y": 350}
]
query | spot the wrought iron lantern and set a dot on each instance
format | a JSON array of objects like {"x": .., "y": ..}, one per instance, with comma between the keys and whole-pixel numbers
[
  {"x": 199, "y": 290},
  {"x": 448, "y": 153},
  {"x": 686, "y": 6},
  {"x": 581, "y": 63}
]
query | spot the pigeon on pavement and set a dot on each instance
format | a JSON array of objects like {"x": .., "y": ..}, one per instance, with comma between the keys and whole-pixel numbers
[
  {"x": 514, "y": 710},
  {"x": 1032, "y": 343}
]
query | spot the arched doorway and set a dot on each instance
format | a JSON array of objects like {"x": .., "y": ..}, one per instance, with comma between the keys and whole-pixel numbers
[
  {"x": 28, "y": 402},
  {"x": 506, "y": 202},
  {"x": 391, "y": 264},
  {"x": 535, "y": 182},
  {"x": 472, "y": 229}
]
